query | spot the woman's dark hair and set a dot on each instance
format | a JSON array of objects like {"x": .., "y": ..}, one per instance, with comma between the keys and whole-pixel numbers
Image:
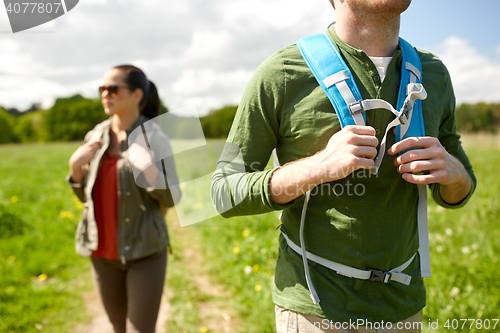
[{"x": 136, "y": 79}]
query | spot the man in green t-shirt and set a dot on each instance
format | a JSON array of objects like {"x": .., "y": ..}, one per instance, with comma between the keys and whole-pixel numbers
[{"x": 353, "y": 218}]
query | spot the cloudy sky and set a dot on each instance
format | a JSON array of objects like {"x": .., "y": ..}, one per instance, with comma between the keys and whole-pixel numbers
[{"x": 202, "y": 52}]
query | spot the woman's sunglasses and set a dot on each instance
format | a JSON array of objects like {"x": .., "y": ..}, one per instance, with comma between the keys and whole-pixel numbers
[{"x": 112, "y": 90}]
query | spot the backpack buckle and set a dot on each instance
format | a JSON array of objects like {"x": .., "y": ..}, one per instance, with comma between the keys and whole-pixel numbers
[
  {"x": 356, "y": 107},
  {"x": 379, "y": 276}
]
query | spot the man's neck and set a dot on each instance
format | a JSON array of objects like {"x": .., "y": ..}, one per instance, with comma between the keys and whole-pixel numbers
[{"x": 377, "y": 35}]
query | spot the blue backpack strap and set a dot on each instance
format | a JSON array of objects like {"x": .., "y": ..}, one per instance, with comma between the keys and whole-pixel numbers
[
  {"x": 334, "y": 77},
  {"x": 411, "y": 70},
  {"x": 336, "y": 80}
]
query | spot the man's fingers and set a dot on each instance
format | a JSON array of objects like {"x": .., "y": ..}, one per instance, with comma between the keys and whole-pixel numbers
[
  {"x": 413, "y": 142},
  {"x": 367, "y": 152},
  {"x": 420, "y": 154},
  {"x": 419, "y": 166},
  {"x": 365, "y": 140},
  {"x": 361, "y": 130},
  {"x": 433, "y": 177}
]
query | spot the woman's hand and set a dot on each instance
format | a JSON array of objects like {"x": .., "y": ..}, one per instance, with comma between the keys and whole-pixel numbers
[
  {"x": 141, "y": 159},
  {"x": 83, "y": 155}
]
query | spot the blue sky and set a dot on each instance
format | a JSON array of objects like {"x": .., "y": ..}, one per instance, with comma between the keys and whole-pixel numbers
[
  {"x": 202, "y": 53},
  {"x": 428, "y": 22}
]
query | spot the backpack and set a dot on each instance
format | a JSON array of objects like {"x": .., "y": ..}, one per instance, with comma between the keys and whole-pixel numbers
[{"x": 336, "y": 80}]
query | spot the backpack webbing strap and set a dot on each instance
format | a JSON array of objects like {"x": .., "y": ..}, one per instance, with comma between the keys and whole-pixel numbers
[
  {"x": 334, "y": 77},
  {"x": 336, "y": 80}
]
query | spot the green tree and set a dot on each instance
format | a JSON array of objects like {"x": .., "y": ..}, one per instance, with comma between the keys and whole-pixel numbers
[
  {"x": 479, "y": 117},
  {"x": 71, "y": 118},
  {"x": 218, "y": 122},
  {"x": 7, "y": 134},
  {"x": 30, "y": 127}
]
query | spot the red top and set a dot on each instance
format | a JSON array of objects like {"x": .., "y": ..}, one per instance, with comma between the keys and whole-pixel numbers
[{"x": 105, "y": 194}]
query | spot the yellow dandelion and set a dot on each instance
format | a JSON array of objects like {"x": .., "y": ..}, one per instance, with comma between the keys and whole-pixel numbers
[
  {"x": 12, "y": 258},
  {"x": 42, "y": 277},
  {"x": 14, "y": 199},
  {"x": 66, "y": 215},
  {"x": 246, "y": 233},
  {"x": 258, "y": 288},
  {"x": 78, "y": 204},
  {"x": 255, "y": 268},
  {"x": 198, "y": 205},
  {"x": 236, "y": 250},
  {"x": 203, "y": 329}
]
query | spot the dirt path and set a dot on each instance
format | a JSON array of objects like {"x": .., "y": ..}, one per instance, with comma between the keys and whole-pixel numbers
[
  {"x": 214, "y": 311},
  {"x": 100, "y": 322}
]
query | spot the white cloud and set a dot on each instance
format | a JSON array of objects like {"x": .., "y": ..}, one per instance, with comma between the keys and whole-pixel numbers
[
  {"x": 474, "y": 76},
  {"x": 197, "y": 52}
]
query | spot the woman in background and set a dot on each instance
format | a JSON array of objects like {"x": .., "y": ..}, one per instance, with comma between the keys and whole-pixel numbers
[{"x": 124, "y": 192}]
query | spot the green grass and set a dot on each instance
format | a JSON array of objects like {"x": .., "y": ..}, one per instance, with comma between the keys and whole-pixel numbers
[
  {"x": 464, "y": 246},
  {"x": 464, "y": 250},
  {"x": 38, "y": 217},
  {"x": 40, "y": 275}
]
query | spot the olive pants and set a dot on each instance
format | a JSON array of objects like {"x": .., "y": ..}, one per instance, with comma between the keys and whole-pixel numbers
[{"x": 131, "y": 292}]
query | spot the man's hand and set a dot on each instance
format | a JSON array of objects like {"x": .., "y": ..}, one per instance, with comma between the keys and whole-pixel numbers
[
  {"x": 348, "y": 150},
  {"x": 443, "y": 168}
]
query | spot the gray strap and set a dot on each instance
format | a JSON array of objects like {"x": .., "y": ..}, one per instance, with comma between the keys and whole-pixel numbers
[
  {"x": 417, "y": 92},
  {"x": 303, "y": 252},
  {"x": 381, "y": 151},
  {"x": 339, "y": 80},
  {"x": 335, "y": 78},
  {"x": 414, "y": 70},
  {"x": 370, "y": 104},
  {"x": 351, "y": 271},
  {"x": 349, "y": 99},
  {"x": 423, "y": 232}
]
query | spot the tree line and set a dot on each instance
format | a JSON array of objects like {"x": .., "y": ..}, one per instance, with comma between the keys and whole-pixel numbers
[{"x": 70, "y": 118}]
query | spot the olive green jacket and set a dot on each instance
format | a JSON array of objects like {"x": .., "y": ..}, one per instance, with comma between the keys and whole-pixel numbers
[{"x": 141, "y": 226}]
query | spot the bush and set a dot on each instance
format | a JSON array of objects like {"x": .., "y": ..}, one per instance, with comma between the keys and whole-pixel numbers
[
  {"x": 31, "y": 127},
  {"x": 6, "y": 123},
  {"x": 218, "y": 122},
  {"x": 480, "y": 117},
  {"x": 71, "y": 118}
]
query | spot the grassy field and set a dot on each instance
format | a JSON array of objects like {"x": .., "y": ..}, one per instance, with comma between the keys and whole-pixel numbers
[
  {"x": 41, "y": 277},
  {"x": 464, "y": 253},
  {"x": 42, "y": 280}
]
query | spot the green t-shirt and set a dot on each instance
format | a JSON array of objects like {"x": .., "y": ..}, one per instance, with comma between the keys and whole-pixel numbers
[{"x": 362, "y": 221}]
